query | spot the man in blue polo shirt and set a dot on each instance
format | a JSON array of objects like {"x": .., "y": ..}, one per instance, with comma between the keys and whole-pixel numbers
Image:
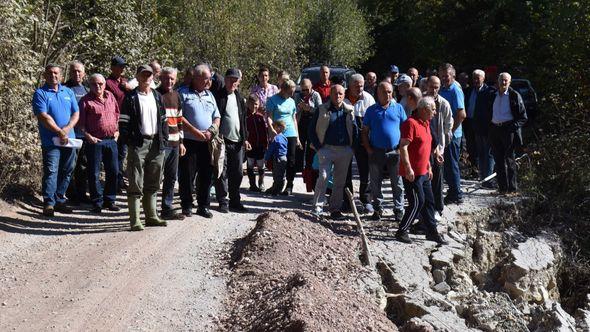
[
  {"x": 451, "y": 91},
  {"x": 56, "y": 109},
  {"x": 381, "y": 136},
  {"x": 199, "y": 108}
]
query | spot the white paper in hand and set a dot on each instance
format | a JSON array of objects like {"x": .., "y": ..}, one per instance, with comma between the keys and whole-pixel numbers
[{"x": 75, "y": 143}]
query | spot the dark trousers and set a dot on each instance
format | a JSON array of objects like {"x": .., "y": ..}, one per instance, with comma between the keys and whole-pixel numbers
[
  {"x": 362, "y": 163},
  {"x": 420, "y": 204},
  {"x": 486, "y": 159},
  {"x": 231, "y": 178},
  {"x": 104, "y": 152},
  {"x": 79, "y": 183},
  {"x": 122, "y": 154},
  {"x": 452, "y": 173},
  {"x": 195, "y": 163},
  {"x": 502, "y": 140},
  {"x": 470, "y": 143},
  {"x": 291, "y": 157},
  {"x": 437, "y": 185},
  {"x": 170, "y": 175},
  {"x": 303, "y": 157}
]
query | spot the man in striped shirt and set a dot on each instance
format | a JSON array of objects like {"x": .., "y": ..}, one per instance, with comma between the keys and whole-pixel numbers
[{"x": 175, "y": 148}]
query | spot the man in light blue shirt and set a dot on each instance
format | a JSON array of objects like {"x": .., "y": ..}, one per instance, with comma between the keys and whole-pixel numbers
[
  {"x": 56, "y": 109},
  {"x": 199, "y": 108},
  {"x": 451, "y": 91}
]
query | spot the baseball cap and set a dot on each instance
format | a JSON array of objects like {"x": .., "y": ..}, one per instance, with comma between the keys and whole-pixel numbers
[
  {"x": 143, "y": 68},
  {"x": 118, "y": 61},
  {"x": 232, "y": 72},
  {"x": 393, "y": 69},
  {"x": 403, "y": 78}
]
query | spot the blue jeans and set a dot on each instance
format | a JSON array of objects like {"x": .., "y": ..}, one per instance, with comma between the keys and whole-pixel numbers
[
  {"x": 452, "y": 174},
  {"x": 170, "y": 176},
  {"x": 58, "y": 165},
  {"x": 486, "y": 159},
  {"x": 106, "y": 152}
]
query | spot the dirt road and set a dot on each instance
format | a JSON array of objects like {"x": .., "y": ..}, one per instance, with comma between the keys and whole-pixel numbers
[{"x": 87, "y": 273}]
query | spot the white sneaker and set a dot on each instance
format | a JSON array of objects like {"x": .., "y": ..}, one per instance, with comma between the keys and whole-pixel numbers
[{"x": 317, "y": 211}]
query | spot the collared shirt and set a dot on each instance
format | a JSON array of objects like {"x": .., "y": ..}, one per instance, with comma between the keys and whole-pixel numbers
[
  {"x": 279, "y": 108},
  {"x": 199, "y": 109},
  {"x": 263, "y": 94},
  {"x": 454, "y": 95},
  {"x": 60, "y": 105},
  {"x": 323, "y": 90},
  {"x": 384, "y": 124},
  {"x": 361, "y": 104},
  {"x": 417, "y": 132},
  {"x": 336, "y": 134},
  {"x": 149, "y": 113},
  {"x": 114, "y": 85},
  {"x": 230, "y": 122},
  {"x": 501, "y": 111},
  {"x": 99, "y": 118}
]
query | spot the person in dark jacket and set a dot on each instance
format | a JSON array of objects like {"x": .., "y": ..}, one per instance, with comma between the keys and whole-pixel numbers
[
  {"x": 258, "y": 142},
  {"x": 477, "y": 103},
  {"x": 508, "y": 115},
  {"x": 144, "y": 129},
  {"x": 234, "y": 131}
]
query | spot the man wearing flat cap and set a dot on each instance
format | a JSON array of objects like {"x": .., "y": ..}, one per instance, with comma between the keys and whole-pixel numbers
[
  {"x": 232, "y": 109},
  {"x": 144, "y": 129}
]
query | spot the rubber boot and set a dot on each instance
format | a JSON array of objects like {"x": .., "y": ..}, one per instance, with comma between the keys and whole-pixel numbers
[
  {"x": 261, "y": 179},
  {"x": 252, "y": 180},
  {"x": 149, "y": 208},
  {"x": 134, "y": 204}
]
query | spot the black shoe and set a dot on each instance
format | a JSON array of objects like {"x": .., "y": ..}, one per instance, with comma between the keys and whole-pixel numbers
[
  {"x": 403, "y": 237},
  {"x": 437, "y": 237},
  {"x": 48, "y": 211},
  {"x": 169, "y": 214},
  {"x": 111, "y": 206},
  {"x": 238, "y": 208},
  {"x": 287, "y": 192},
  {"x": 205, "y": 213},
  {"x": 223, "y": 208},
  {"x": 338, "y": 216},
  {"x": 254, "y": 189},
  {"x": 62, "y": 208},
  {"x": 418, "y": 228},
  {"x": 187, "y": 213},
  {"x": 96, "y": 209},
  {"x": 377, "y": 215},
  {"x": 453, "y": 200}
]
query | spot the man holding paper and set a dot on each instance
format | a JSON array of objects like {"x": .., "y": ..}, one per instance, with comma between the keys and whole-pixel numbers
[
  {"x": 56, "y": 110},
  {"x": 99, "y": 122}
]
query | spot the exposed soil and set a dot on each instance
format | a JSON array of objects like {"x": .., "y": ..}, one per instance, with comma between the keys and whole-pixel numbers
[{"x": 293, "y": 274}]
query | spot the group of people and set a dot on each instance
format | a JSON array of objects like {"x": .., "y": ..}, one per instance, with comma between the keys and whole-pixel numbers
[{"x": 201, "y": 131}]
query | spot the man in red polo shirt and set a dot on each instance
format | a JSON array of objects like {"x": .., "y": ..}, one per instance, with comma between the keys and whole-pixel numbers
[
  {"x": 323, "y": 86},
  {"x": 415, "y": 149}
]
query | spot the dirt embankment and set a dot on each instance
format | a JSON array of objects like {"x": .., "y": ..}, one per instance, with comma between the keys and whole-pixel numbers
[{"x": 292, "y": 274}]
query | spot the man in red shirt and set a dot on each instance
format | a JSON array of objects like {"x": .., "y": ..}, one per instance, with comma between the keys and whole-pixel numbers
[
  {"x": 117, "y": 85},
  {"x": 99, "y": 122},
  {"x": 323, "y": 86},
  {"x": 415, "y": 150}
]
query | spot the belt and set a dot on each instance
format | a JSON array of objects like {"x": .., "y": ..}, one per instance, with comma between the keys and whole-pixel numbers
[
  {"x": 502, "y": 124},
  {"x": 149, "y": 136}
]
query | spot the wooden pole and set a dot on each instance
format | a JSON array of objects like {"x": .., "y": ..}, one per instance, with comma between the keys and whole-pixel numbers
[{"x": 365, "y": 252}]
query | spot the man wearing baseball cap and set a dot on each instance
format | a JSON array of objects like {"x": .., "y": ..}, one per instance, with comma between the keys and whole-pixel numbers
[
  {"x": 404, "y": 82},
  {"x": 393, "y": 73},
  {"x": 232, "y": 109},
  {"x": 144, "y": 129}
]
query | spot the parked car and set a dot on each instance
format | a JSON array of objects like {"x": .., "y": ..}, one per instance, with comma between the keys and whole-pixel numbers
[
  {"x": 529, "y": 96},
  {"x": 338, "y": 74}
]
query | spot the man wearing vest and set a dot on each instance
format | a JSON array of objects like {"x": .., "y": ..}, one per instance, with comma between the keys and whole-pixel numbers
[{"x": 333, "y": 133}]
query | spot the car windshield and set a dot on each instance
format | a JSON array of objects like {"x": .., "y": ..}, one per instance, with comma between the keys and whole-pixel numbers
[{"x": 522, "y": 88}]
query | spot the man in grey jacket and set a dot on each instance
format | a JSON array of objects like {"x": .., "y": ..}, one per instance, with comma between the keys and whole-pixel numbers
[
  {"x": 307, "y": 101},
  {"x": 440, "y": 127}
]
